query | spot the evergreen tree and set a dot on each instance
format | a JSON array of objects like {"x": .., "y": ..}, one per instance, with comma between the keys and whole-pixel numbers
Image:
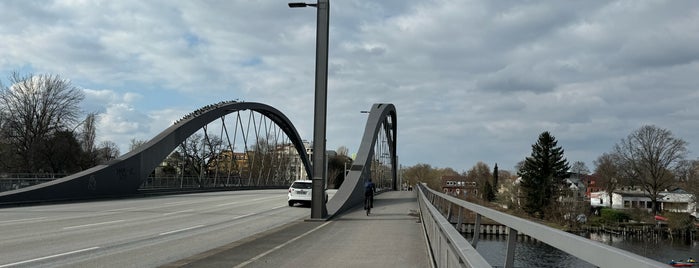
[
  {"x": 495, "y": 177},
  {"x": 541, "y": 174},
  {"x": 488, "y": 194}
]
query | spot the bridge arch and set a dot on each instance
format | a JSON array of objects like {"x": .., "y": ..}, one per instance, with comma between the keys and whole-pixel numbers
[
  {"x": 382, "y": 117},
  {"x": 123, "y": 175}
]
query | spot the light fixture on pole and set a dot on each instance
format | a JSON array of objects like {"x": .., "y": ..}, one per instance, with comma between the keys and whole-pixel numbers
[{"x": 318, "y": 209}]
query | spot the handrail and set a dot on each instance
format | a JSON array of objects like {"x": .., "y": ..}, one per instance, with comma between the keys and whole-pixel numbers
[
  {"x": 593, "y": 252},
  {"x": 449, "y": 248}
]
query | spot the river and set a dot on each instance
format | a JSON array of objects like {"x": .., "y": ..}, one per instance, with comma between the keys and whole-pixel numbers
[{"x": 538, "y": 254}]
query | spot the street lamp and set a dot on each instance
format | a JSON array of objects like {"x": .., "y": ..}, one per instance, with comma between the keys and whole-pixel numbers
[
  {"x": 297, "y": 4},
  {"x": 318, "y": 209}
]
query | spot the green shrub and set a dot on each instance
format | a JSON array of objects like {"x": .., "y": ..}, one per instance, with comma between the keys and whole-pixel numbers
[
  {"x": 680, "y": 221},
  {"x": 613, "y": 216}
]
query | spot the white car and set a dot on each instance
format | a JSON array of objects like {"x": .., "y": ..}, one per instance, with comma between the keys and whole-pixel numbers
[{"x": 301, "y": 191}]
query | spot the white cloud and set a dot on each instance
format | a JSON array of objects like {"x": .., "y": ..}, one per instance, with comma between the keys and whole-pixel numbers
[{"x": 472, "y": 80}]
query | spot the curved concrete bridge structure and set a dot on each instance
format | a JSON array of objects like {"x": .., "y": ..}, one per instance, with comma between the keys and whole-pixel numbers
[
  {"x": 124, "y": 175},
  {"x": 382, "y": 117}
]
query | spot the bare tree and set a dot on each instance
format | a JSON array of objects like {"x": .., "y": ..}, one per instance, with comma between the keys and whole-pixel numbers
[
  {"x": 6, "y": 152},
  {"x": 343, "y": 151},
  {"x": 607, "y": 170},
  {"x": 420, "y": 173},
  {"x": 88, "y": 133},
  {"x": 650, "y": 156},
  {"x": 106, "y": 151},
  {"x": 198, "y": 151},
  {"x": 579, "y": 168},
  {"x": 135, "y": 143},
  {"x": 689, "y": 176},
  {"x": 337, "y": 166},
  {"x": 480, "y": 173},
  {"x": 34, "y": 108}
]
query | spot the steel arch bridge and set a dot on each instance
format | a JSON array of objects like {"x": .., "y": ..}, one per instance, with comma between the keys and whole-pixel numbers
[
  {"x": 378, "y": 143},
  {"x": 123, "y": 175},
  {"x": 376, "y": 158}
]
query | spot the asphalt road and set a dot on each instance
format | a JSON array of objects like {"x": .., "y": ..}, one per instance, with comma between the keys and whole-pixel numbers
[{"x": 143, "y": 232}]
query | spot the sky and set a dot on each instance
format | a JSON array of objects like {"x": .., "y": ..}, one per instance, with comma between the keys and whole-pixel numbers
[{"x": 471, "y": 80}]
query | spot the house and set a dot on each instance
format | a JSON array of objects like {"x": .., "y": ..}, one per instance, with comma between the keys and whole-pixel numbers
[
  {"x": 592, "y": 185},
  {"x": 677, "y": 200},
  {"x": 459, "y": 186},
  {"x": 621, "y": 199},
  {"x": 576, "y": 185}
]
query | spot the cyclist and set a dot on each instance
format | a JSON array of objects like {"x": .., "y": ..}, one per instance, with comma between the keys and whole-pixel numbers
[{"x": 369, "y": 190}]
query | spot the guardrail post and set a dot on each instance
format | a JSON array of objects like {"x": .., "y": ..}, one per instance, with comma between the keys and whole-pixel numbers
[
  {"x": 511, "y": 244},
  {"x": 476, "y": 231},
  {"x": 449, "y": 212},
  {"x": 460, "y": 220}
]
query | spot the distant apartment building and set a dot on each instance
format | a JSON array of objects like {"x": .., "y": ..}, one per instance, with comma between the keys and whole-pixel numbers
[
  {"x": 296, "y": 170},
  {"x": 285, "y": 157},
  {"x": 459, "y": 186}
]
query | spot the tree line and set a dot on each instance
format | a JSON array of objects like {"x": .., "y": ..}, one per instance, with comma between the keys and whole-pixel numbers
[
  {"x": 650, "y": 158},
  {"x": 42, "y": 128}
]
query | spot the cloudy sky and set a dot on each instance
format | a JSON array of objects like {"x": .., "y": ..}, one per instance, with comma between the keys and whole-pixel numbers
[{"x": 471, "y": 80}]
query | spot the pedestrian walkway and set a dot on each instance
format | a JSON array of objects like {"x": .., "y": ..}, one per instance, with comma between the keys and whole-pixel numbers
[{"x": 391, "y": 236}]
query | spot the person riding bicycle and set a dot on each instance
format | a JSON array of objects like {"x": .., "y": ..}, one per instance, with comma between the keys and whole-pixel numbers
[{"x": 369, "y": 189}]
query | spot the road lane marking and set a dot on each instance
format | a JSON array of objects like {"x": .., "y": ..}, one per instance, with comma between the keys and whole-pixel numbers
[
  {"x": 245, "y": 201},
  {"x": 181, "y": 202},
  {"x": 48, "y": 257},
  {"x": 122, "y": 209},
  {"x": 280, "y": 246},
  {"x": 21, "y": 220},
  {"x": 92, "y": 224},
  {"x": 182, "y": 230},
  {"x": 177, "y": 212}
]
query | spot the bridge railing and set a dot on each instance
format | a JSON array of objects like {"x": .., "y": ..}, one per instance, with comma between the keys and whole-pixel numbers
[
  {"x": 14, "y": 181},
  {"x": 449, "y": 248},
  {"x": 193, "y": 182},
  {"x": 455, "y": 249}
]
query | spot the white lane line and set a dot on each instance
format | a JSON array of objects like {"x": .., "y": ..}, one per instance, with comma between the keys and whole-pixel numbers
[
  {"x": 177, "y": 212},
  {"x": 199, "y": 226},
  {"x": 226, "y": 204},
  {"x": 181, "y": 202},
  {"x": 245, "y": 201},
  {"x": 21, "y": 220},
  {"x": 48, "y": 257},
  {"x": 90, "y": 225},
  {"x": 182, "y": 230},
  {"x": 280, "y": 246},
  {"x": 122, "y": 209}
]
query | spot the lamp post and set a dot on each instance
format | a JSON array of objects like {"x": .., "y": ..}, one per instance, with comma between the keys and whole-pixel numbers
[{"x": 318, "y": 209}]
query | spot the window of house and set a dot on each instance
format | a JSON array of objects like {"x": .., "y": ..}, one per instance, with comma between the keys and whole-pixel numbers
[{"x": 627, "y": 204}]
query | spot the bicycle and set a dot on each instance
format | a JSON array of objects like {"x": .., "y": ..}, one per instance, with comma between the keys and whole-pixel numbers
[
  {"x": 368, "y": 203},
  {"x": 369, "y": 190}
]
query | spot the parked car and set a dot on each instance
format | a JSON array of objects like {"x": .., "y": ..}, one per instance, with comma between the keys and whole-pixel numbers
[{"x": 301, "y": 191}]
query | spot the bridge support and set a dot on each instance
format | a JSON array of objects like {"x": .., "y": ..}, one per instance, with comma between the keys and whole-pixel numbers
[
  {"x": 318, "y": 209},
  {"x": 511, "y": 244}
]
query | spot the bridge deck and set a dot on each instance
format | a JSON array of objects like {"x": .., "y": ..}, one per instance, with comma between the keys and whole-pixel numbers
[{"x": 391, "y": 236}]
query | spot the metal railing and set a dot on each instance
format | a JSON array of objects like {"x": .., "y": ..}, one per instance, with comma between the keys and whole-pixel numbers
[
  {"x": 14, "y": 181},
  {"x": 461, "y": 253},
  {"x": 449, "y": 248},
  {"x": 175, "y": 184}
]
